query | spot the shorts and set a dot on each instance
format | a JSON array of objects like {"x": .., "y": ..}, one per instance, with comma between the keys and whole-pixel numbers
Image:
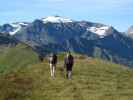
[{"x": 69, "y": 67}]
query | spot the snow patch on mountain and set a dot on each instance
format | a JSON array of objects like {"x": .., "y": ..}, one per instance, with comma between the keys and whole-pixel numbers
[
  {"x": 17, "y": 27},
  {"x": 15, "y": 30},
  {"x": 101, "y": 31},
  {"x": 56, "y": 19},
  {"x": 23, "y": 24}
]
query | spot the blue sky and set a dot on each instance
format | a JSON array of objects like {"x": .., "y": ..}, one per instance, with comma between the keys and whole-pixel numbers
[{"x": 118, "y": 13}]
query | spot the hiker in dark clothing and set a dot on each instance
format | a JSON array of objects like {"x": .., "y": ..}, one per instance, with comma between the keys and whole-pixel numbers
[
  {"x": 52, "y": 62},
  {"x": 69, "y": 62}
]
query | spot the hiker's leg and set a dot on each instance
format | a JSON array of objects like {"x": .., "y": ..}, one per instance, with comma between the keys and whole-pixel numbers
[
  {"x": 51, "y": 70},
  {"x": 69, "y": 74},
  {"x": 69, "y": 71},
  {"x": 54, "y": 67}
]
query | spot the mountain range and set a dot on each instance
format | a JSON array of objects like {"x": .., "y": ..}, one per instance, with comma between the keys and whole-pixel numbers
[{"x": 60, "y": 34}]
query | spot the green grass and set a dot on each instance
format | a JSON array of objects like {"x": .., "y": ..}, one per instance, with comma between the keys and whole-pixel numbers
[
  {"x": 19, "y": 56},
  {"x": 92, "y": 79}
]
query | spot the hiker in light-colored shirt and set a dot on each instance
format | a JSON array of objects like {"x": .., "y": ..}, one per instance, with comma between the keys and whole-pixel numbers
[{"x": 53, "y": 62}]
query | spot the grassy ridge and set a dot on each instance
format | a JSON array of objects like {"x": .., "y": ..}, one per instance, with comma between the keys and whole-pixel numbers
[{"x": 92, "y": 80}]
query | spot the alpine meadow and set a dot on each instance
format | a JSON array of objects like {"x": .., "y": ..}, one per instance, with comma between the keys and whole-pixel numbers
[{"x": 66, "y": 50}]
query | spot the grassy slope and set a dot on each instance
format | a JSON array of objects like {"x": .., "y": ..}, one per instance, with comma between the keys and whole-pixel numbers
[
  {"x": 19, "y": 56},
  {"x": 92, "y": 80}
]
